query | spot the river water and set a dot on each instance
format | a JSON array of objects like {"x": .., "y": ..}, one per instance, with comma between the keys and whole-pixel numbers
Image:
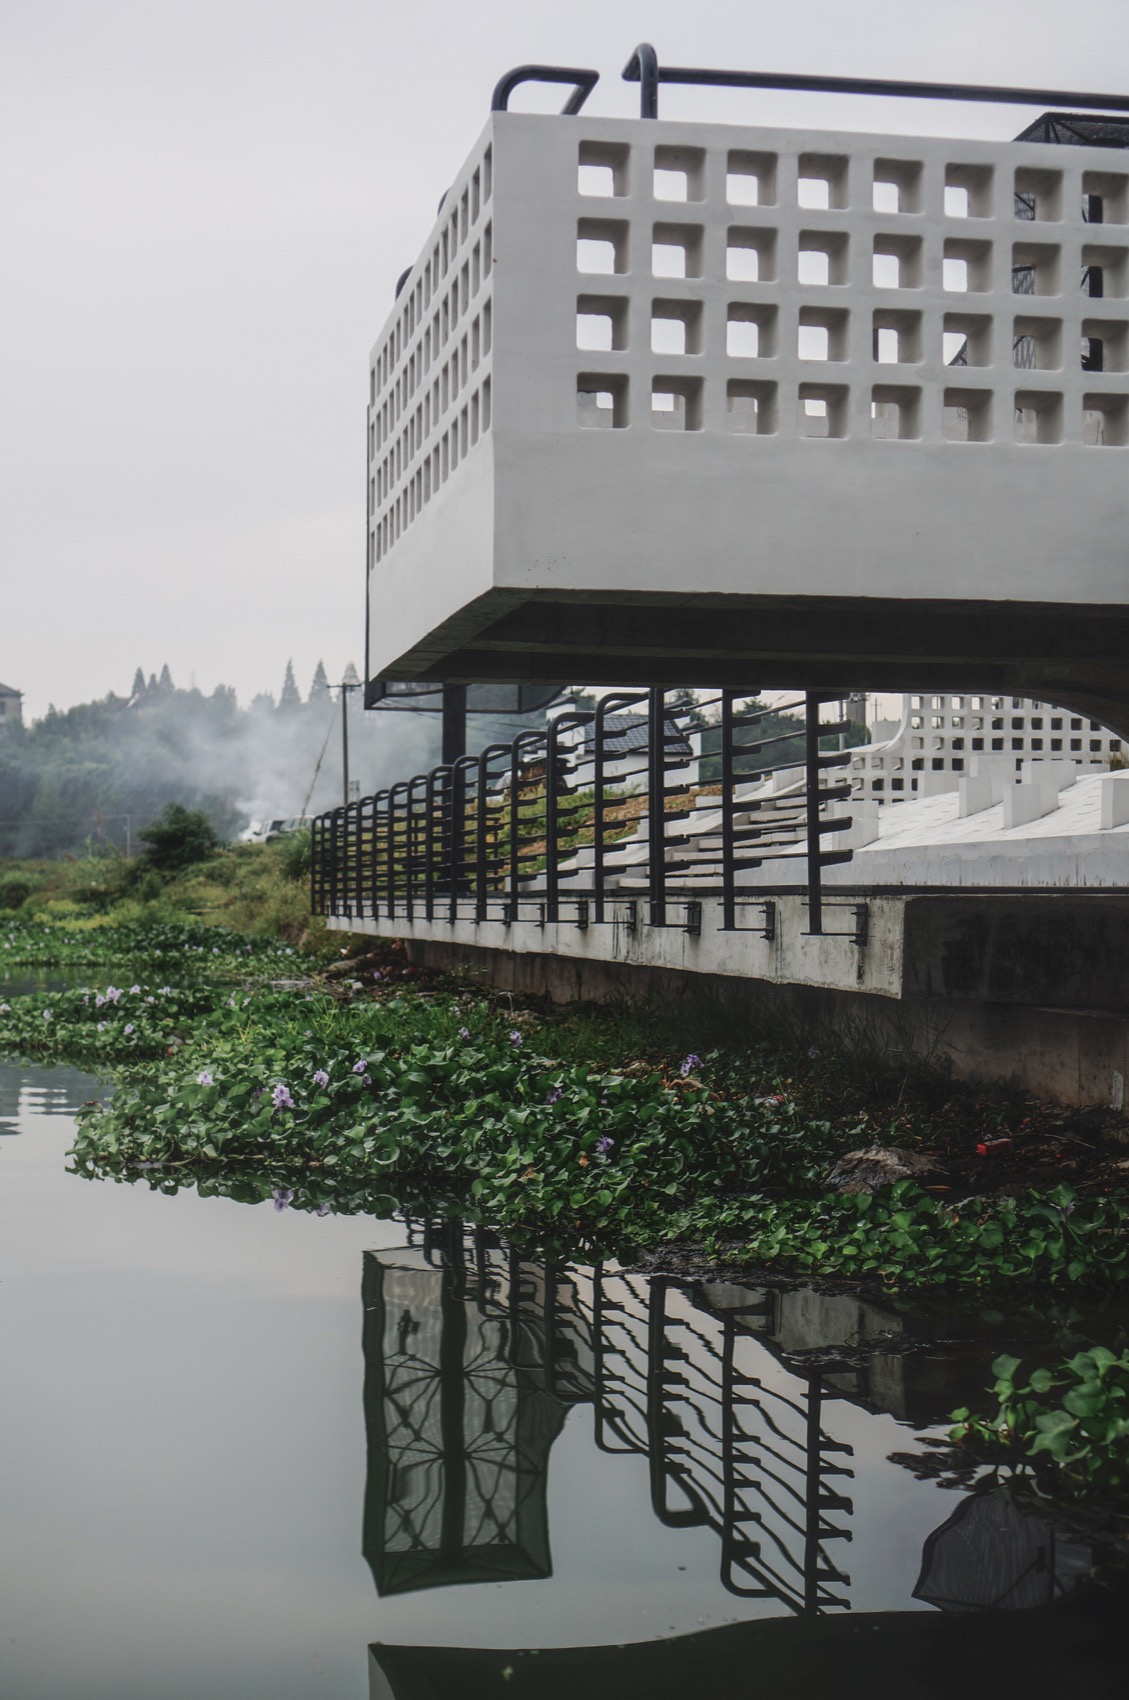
[{"x": 250, "y": 1453}]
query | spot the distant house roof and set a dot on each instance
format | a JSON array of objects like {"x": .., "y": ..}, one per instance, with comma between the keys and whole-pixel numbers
[
  {"x": 626, "y": 733},
  {"x": 7, "y": 691}
]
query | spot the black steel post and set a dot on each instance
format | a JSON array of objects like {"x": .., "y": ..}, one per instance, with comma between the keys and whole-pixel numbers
[
  {"x": 656, "y": 811},
  {"x": 811, "y": 812},
  {"x": 728, "y": 810},
  {"x": 552, "y": 823}
]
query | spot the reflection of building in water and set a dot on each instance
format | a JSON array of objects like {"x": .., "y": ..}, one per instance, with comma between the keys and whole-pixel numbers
[
  {"x": 472, "y": 1360},
  {"x": 461, "y": 1410},
  {"x": 50, "y": 1091}
]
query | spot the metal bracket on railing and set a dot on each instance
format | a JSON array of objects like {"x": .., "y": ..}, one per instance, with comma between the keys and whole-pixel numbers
[
  {"x": 858, "y": 932},
  {"x": 630, "y": 916},
  {"x": 582, "y": 914},
  {"x": 583, "y": 82},
  {"x": 693, "y": 923}
]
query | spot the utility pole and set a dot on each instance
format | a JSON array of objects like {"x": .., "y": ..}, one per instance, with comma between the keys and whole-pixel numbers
[{"x": 345, "y": 687}]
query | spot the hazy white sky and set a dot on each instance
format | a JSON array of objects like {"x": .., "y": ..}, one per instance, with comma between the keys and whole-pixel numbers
[{"x": 206, "y": 204}]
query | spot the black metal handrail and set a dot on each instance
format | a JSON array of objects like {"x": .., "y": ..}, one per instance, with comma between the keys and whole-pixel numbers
[
  {"x": 606, "y": 814},
  {"x": 643, "y": 68}
]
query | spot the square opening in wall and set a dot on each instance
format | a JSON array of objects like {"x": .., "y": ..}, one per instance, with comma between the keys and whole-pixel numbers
[
  {"x": 676, "y": 327},
  {"x": 1105, "y": 420},
  {"x": 676, "y": 250},
  {"x": 601, "y": 245},
  {"x": 1105, "y": 197},
  {"x": 1038, "y": 195},
  {"x": 1035, "y": 268},
  {"x": 822, "y": 333},
  {"x": 897, "y": 337},
  {"x": 1104, "y": 271},
  {"x": 750, "y": 330},
  {"x": 822, "y": 181},
  {"x": 966, "y": 266},
  {"x": 966, "y": 339},
  {"x": 968, "y": 191},
  {"x": 966, "y": 416},
  {"x": 895, "y": 412},
  {"x": 822, "y": 410},
  {"x": 897, "y": 262},
  {"x": 601, "y": 322},
  {"x": 603, "y": 169},
  {"x": 1036, "y": 344},
  {"x": 897, "y": 185},
  {"x": 822, "y": 257},
  {"x": 679, "y": 174},
  {"x": 1105, "y": 345},
  {"x": 750, "y": 255},
  {"x": 750, "y": 179},
  {"x": 750, "y": 407},
  {"x": 1038, "y": 416},
  {"x": 676, "y": 404},
  {"x": 601, "y": 401}
]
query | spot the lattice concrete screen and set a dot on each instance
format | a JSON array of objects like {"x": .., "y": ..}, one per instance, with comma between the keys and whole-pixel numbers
[{"x": 655, "y": 360}]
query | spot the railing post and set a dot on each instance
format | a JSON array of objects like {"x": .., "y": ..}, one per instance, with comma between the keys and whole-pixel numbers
[
  {"x": 811, "y": 812},
  {"x": 728, "y": 812},
  {"x": 429, "y": 844},
  {"x": 552, "y": 824},
  {"x": 656, "y": 798}
]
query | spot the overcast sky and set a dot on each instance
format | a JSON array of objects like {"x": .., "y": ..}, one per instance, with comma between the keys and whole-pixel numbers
[{"x": 205, "y": 206}]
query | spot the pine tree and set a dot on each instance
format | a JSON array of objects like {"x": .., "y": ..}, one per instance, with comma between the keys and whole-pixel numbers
[
  {"x": 350, "y": 675},
  {"x": 138, "y": 684},
  {"x": 152, "y": 685},
  {"x": 164, "y": 683},
  {"x": 320, "y": 687},
  {"x": 288, "y": 696}
]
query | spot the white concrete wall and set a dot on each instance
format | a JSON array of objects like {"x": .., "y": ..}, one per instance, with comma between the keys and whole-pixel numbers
[{"x": 543, "y": 503}]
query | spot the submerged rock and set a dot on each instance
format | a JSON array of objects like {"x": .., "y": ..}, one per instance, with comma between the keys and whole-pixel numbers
[{"x": 877, "y": 1166}]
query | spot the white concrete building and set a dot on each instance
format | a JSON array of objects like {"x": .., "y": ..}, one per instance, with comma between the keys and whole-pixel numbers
[
  {"x": 770, "y": 400},
  {"x": 958, "y": 735}
]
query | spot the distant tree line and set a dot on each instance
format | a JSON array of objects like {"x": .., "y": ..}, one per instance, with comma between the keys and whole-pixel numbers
[{"x": 100, "y": 772}]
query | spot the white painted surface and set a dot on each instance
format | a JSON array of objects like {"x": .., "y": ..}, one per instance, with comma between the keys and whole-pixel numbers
[{"x": 544, "y": 503}]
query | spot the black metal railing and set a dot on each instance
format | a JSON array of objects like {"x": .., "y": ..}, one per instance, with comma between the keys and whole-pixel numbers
[{"x": 634, "y": 810}]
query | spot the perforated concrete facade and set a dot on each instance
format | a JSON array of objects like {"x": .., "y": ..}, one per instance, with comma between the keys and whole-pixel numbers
[
  {"x": 965, "y": 735},
  {"x": 648, "y": 363}
]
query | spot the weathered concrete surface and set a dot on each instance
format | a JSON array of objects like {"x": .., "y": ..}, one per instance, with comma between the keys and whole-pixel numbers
[{"x": 978, "y": 994}]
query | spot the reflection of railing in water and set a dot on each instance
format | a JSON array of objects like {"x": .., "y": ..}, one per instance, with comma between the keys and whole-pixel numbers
[{"x": 464, "y": 1399}]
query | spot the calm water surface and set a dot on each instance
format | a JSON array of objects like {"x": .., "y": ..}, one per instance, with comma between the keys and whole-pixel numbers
[{"x": 250, "y": 1453}]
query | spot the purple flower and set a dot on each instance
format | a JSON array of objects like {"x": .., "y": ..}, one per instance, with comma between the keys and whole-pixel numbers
[
  {"x": 101, "y": 1027},
  {"x": 604, "y": 1144},
  {"x": 366, "y": 1079},
  {"x": 689, "y": 1064},
  {"x": 5, "y": 1009},
  {"x": 99, "y": 1001},
  {"x": 813, "y": 1052},
  {"x": 113, "y": 993},
  {"x": 320, "y": 1077},
  {"x": 128, "y": 1028},
  {"x": 515, "y": 1038},
  {"x": 283, "y": 1198},
  {"x": 322, "y": 1210},
  {"x": 281, "y": 1098},
  {"x": 134, "y": 989},
  {"x": 464, "y": 1032},
  {"x": 377, "y": 975},
  {"x": 204, "y": 1078},
  {"x": 359, "y": 1067},
  {"x": 46, "y": 1015},
  {"x": 553, "y": 1094}
]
